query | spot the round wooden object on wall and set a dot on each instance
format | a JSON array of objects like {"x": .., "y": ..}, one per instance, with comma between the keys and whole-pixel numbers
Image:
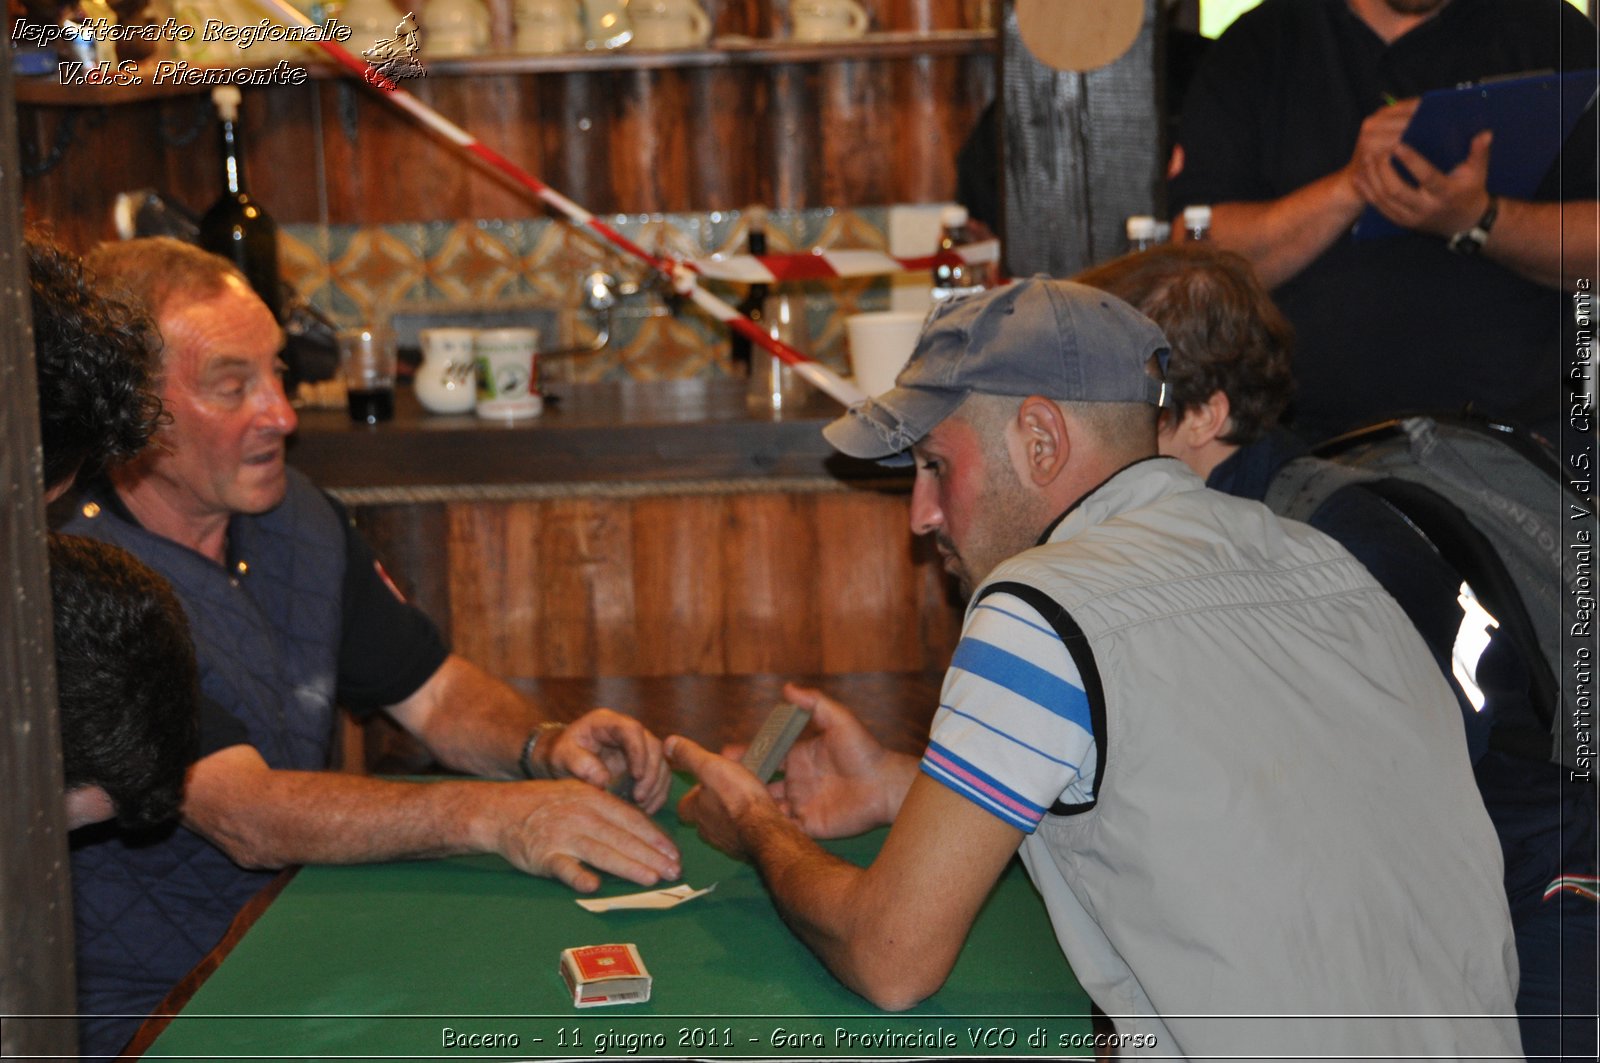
[{"x": 1079, "y": 34}]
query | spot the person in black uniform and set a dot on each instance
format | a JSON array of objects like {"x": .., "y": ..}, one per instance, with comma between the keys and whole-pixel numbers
[{"x": 1289, "y": 132}]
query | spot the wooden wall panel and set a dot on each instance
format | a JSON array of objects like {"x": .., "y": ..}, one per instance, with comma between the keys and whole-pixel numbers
[
  {"x": 491, "y": 109},
  {"x": 769, "y": 550},
  {"x": 718, "y": 105},
  {"x": 586, "y": 585},
  {"x": 920, "y": 138},
  {"x": 168, "y": 144},
  {"x": 703, "y": 584},
  {"x": 572, "y": 115},
  {"x": 381, "y": 166},
  {"x": 844, "y": 133},
  {"x": 283, "y": 153},
  {"x": 648, "y": 139},
  {"x": 491, "y": 553},
  {"x": 867, "y": 586},
  {"x": 678, "y": 588},
  {"x": 858, "y": 133},
  {"x": 907, "y": 14},
  {"x": 792, "y": 133}
]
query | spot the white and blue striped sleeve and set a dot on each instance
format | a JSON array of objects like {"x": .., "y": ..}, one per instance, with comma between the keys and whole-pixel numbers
[{"x": 1013, "y": 732}]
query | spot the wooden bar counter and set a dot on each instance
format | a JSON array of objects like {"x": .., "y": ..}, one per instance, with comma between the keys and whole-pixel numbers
[
  {"x": 621, "y": 433},
  {"x": 642, "y": 529}
]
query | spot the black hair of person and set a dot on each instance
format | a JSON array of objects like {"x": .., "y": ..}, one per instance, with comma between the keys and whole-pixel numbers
[{"x": 126, "y": 679}]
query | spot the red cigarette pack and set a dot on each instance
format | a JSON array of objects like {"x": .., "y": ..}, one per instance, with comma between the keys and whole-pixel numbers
[{"x": 605, "y": 974}]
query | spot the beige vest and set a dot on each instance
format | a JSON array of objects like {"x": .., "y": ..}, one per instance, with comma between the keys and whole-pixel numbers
[{"x": 1287, "y": 824}]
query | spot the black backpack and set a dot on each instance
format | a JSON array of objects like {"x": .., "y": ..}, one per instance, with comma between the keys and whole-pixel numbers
[{"x": 1492, "y": 500}]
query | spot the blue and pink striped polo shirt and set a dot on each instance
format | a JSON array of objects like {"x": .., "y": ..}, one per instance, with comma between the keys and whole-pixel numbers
[{"x": 1012, "y": 733}]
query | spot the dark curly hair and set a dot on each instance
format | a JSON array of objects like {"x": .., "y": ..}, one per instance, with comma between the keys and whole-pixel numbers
[
  {"x": 1226, "y": 333},
  {"x": 126, "y": 679},
  {"x": 95, "y": 358}
]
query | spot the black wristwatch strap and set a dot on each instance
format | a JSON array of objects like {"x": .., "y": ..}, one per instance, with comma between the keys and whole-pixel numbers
[{"x": 1471, "y": 241}]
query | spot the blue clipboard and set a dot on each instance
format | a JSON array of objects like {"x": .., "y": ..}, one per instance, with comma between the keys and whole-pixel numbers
[{"x": 1531, "y": 117}]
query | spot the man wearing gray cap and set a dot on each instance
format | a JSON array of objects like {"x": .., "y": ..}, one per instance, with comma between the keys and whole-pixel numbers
[{"x": 1229, "y": 762}]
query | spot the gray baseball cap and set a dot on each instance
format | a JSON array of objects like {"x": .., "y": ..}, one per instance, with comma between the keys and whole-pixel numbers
[{"x": 1039, "y": 336}]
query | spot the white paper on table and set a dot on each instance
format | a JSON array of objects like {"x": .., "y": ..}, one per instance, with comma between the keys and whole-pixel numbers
[{"x": 650, "y": 899}]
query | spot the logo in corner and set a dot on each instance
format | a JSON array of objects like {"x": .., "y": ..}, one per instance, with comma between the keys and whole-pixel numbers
[{"x": 394, "y": 59}]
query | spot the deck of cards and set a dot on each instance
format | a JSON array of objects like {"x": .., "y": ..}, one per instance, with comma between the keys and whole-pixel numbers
[{"x": 605, "y": 974}]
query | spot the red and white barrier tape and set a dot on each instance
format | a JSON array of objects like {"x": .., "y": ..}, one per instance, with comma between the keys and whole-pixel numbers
[
  {"x": 682, "y": 274},
  {"x": 826, "y": 265}
]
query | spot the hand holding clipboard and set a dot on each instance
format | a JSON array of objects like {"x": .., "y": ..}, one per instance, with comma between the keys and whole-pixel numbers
[{"x": 1530, "y": 117}]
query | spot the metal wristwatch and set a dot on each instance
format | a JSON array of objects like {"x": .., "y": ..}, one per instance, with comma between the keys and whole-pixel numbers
[
  {"x": 525, "y": 761},
  {"x": 1471, "y": 241}
]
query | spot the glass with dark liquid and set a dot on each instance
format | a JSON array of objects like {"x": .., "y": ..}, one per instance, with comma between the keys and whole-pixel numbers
[
  {"x": 366, "y": 360},
  {"x": 370, "y": 404}
]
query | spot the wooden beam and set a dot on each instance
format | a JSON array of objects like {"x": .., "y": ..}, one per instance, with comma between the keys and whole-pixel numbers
[
  {"x": 1080, "y": 152},
  {"x": 36, "y": 968}
]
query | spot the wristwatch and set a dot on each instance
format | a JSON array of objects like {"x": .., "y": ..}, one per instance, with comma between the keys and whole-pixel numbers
[
  {"x": 1471, "y": 241},
  {"x": 525, "y": 761}
]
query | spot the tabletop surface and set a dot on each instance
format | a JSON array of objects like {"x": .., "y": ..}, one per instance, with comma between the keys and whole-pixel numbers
[
  {"x": 645, "y": 431},
  {"x": 393, "y": 961}
]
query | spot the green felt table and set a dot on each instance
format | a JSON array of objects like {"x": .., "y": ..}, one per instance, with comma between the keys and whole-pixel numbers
[{"x": 392, "y": 961}]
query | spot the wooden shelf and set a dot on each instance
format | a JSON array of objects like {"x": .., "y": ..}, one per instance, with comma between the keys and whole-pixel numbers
[
  {"x": 723, "y": 52},
  {"x": 732, "y": 51}
]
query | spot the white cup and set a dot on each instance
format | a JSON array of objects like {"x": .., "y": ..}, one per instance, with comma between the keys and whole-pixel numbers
[
  {"x": 827, "y": 20},
  {"x": 880, "y": 344},
  {"x": 447, "y": 379},
  {"x": 545, "y": 26},
  {"x": 508, "y": 373},
  {"x": 668, "y": 23}
]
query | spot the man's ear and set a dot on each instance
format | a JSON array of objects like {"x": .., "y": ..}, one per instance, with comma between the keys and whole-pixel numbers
[{"x": 1046, "y": 442}]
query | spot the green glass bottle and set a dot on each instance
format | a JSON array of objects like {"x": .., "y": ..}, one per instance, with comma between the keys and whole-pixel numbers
[{"x": 236, "y": 227}]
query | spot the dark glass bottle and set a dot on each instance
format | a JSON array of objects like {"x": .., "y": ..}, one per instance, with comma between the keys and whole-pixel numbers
[
  {"x": 236, "y": 227},
  {"x": 754, "y": 302}
]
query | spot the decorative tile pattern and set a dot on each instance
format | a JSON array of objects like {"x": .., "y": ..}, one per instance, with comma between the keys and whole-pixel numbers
[
  {"x": 356, "y": 273},
  {"x": 377, "y": 272},
  {"x": 475, "y": 266}
]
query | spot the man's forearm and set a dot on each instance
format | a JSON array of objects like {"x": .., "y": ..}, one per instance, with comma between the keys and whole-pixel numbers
[
  {"x": 890, "y": 931},
  {"x": 1548, "y": 243},
  {"x": 876, "y": 928},
  {"x": 265, "y": 818},
  {"x": 262, "y": 817},
  {"x": 1284, "y": 236},
  {"x": 824, "y": 900},
  {"x": 473, "y": 722},
  {"x": 896, "y": 774}
]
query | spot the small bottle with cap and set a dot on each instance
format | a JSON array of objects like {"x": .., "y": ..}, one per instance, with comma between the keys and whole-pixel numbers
[
  {"x": 953, "y": 278},
  {"x": 1197, "y": 222},
  {"x": 1141, "y": 230}
]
